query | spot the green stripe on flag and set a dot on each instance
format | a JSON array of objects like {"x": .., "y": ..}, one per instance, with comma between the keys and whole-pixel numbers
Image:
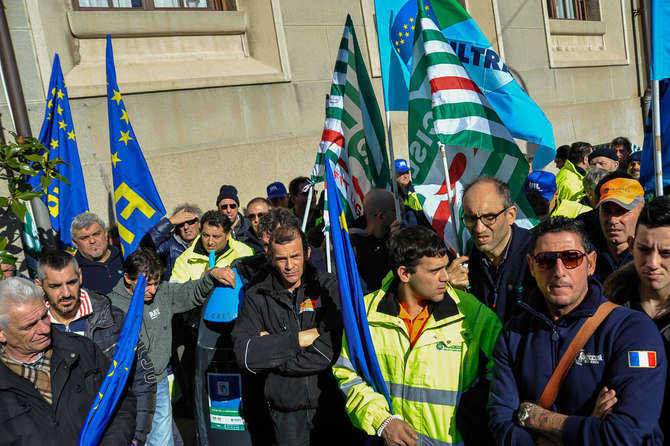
[
  {"x": 479, "y": 140},
  {"x": 457, "y": 110},
  {"x": 449, "y": 12}
]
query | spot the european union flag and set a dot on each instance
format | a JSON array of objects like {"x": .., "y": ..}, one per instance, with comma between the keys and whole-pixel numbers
[
  {"x": 64, "y": 201},
  {"x": 361, "y": 349},
  {"x": 395, "y": 30},
  {"x": 660, "y": 45},
  {"x": 114, "y": 384},
  {"x": 138, "y": 205}
]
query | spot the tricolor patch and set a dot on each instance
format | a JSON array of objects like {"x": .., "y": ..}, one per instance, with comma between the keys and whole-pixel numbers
[
  {"x": 309, "y": 305},
  {"x": 642, "y": 359}
]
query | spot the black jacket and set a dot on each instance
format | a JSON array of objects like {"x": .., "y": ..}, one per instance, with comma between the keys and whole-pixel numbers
[
  {"x": 103, "y": 327},
  {"x": 167, "y": 243},
  {"x": 605, "y": 263},
  {"x": 297, "y": 378},
  {"x": 78, "y": 367},
  {"x": 501, "y": 291},
  {"x": 243, "y": 232},
  {"x": 101, "y": 276}
]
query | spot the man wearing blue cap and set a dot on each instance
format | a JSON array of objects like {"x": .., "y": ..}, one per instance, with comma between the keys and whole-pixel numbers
[
  {"x": 633, "y": 164},
  {"x": 277, "y": 195},
  {"x": 413, "y": 212}
]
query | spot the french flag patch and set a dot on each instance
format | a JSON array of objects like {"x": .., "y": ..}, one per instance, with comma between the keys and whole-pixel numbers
[{"x": 642, "y": 359}]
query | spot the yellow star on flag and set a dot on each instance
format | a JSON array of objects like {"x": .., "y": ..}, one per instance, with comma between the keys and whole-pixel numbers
[
  {"x": 115, "y": 158},
  {"x": 54, "y": 143},
  {"x": 343, "y": 222},
  {"x": 426, "y": 8},
  {"x": 59, "y": 110},
  {"x": 60, "y": 94},
  {"x": 70, "y": 135},
  {"x": 406, "y": 34},
  {"x": 62, "y": 125},
  {"x": 53, "y": 91},
  {"x": 404, "y": 26},
  {"x": 116, "y": 97},
  {"x": 50, "y": 103},
  {"x": 400, "y": 33},
  {"x": 49, "y": 117},
  {"x": 124, "y": 116},
  {"x": 402, "y": 41},
  {"x": 125, "y": 137},
  {"x": 411, "y": 19},
  {"x": 412, "y": 27}
]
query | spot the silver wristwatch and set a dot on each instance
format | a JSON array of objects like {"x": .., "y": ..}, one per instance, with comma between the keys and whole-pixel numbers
[{"x": 524, "y": 414}]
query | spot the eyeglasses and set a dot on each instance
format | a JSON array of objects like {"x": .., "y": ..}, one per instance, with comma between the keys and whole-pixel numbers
[
  {"x": 571, "y": 259},
  {"x": 226, "y": 206},
  {"x": 487, "y": 219},
  {"x": 189, "y": 222},
  {"x": 255, "y": 216}
]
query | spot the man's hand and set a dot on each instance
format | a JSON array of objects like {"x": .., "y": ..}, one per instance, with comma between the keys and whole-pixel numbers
[
  {"x": 264, "y": 333},
  {"x": 458, "y": 273},
  {"x": 604, "y": 403},
  {"x": 307, "y": 337},
  {"x": 181, "y": 217},
  {"x": 225, "y": 276},
  {"x": 399, "y": 433}
]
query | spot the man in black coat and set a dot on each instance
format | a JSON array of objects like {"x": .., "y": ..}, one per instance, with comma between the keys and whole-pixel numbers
[
  {"x": 498, "y": 270},
  {"x": 49, "y": 379},
  {"x": 76, "y": 310}
]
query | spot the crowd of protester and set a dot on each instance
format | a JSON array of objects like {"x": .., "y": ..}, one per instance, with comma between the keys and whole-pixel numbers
[{"x": 514, "y": 344}]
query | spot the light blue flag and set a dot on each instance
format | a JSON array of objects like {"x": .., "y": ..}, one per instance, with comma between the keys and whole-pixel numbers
[
  {"x": 355, "y": 319},
  {"x": 64, "y": 201},
  {"x": 138, "y": 205},
  {"x": 647, "y": 162},
  {"x": 114, "y": 383},
  {"x": 660, "y": 42},
  {"x": 395, "y": 29}
]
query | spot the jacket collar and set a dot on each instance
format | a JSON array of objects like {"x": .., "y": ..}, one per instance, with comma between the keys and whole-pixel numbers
[
  {"x": 272, "y": 284},
  {"x": 390, "y": 304},
  {"x": 102, "y": 311},
  {"x": 517, "y": 246},
  {"x": 114, "y": 252}
]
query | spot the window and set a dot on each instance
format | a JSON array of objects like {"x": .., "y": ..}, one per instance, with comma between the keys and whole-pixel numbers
[
  {"x": 219, "y": 5},
  {"x": 573, "y": 9}
]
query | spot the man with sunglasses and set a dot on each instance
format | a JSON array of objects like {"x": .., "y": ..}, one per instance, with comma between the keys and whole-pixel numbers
[
  {"x": 256, "y": 209},
  {"x": 228, "y": 204},
  {"x": 171, "y": 236},
  {"x": 498, "y": 272},
  {"x": 613, "y": 392}
]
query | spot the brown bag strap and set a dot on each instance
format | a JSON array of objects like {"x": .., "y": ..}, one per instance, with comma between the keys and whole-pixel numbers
[{"x": 551, "y": 390}]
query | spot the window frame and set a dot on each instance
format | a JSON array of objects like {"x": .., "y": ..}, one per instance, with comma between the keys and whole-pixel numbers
[
  {"x": 148, "y": 5},
  {"x": 579, "y": 6}
]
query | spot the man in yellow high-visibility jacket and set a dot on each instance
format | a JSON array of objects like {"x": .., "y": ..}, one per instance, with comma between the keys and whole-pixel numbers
[{"x": 434, "y": 345}]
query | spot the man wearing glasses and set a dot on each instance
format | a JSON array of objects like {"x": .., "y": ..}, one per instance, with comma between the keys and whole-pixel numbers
[
  {"x": 498, "y": 272},
  {"x": 256, "y": 209},
  {"x": 228, "y": 204},
  {"x": 171, "y": 236},
  {"x": 613, "y": 391}
]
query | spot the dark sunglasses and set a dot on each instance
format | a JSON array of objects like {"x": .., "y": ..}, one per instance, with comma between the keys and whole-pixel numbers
[
  {"x": 189, "y": 222},
  {"x": 255, "y": 216},
  {"x": 571, "y": 259},
  {"x": 226, "y": 206}
]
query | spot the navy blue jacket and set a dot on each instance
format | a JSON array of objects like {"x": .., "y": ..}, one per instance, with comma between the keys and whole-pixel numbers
[
  {"x": 101, "y": 276},
  {"x": 167, "y": 245},
  {"x": 529, "y": 349},
  {"x": 500, "y": 293}
]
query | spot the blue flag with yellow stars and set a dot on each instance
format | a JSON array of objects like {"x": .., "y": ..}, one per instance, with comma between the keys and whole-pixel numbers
[
  {"x": 361, "y": 348},
  {"x": 114, "y": 384},
  {"x": 136, "y": 200},
  {"x": 64, "y": 201}
]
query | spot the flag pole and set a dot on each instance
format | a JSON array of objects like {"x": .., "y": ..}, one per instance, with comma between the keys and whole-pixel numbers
[
  {"x": 328, "y": 261},
  {"x": 450, "y": 195},
  {"x": 309, "y": 204},
  {"x": 656, "y": 118},
  {"x": 394, "y": 180}
]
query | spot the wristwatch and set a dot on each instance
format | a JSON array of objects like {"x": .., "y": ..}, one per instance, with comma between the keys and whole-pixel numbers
[{"x": 524, "y": 414}]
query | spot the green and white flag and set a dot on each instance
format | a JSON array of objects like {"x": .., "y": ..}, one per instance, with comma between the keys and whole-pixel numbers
[
  {"x": 446, "y": 106},
  {"x": 353, "y": 134}
]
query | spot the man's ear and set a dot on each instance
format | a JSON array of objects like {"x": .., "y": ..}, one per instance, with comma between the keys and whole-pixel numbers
[
  {"x": 510, "y": 214},
  {"x": 38, "y": 282},
  {"x": 529, "y": 260},
  {"x": 309, "y": 251},
  {"x": 403, "y": 274},
  {"x": 591, "y": 259}
]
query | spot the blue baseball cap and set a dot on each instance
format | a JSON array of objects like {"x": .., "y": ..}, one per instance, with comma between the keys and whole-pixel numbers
[
  {"x": 276, "y": 190},
  {"x": 401, "y": 166},
  {"x": 542, "y": 182}
]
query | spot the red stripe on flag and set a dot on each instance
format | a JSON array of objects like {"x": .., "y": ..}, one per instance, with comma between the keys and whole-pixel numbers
[
  {"x": 453, "y": 83},
  {"x": 652, "y": 359},
  {"x": 333, "y": 136}
]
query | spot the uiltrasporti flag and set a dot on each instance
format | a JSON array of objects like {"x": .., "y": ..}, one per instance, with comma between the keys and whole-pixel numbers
[{"x": 446, "y": 106}]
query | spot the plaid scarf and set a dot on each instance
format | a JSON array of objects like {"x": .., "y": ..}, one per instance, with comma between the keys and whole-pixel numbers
[{"x": 37, "y": 372}]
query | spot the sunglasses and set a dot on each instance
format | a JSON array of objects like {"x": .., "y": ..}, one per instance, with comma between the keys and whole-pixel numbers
[
  {"x": 487, "y": 219},
  {"x": 255, "y": 216},
  {"x": 189, "y": 222},
  {"x": 226, "y": 206},
  {"x": 571, "y": 259}
]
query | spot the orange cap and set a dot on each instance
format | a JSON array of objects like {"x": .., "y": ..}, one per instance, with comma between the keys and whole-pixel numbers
[{"x": 625, "y": 192}]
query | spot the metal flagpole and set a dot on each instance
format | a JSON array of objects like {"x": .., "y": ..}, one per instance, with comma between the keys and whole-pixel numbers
[
  {"x": 394, "y": 180},
  {"x": 656, "y": 118},
  {"x": 450, "y": 195},
  {"x": 329, "y": 267},
  {"x": 309, "y": 204}
]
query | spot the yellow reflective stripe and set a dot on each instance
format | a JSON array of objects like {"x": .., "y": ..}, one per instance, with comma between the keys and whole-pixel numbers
[
  {"x": 437, "y": 397},
  {"x": 427, "y": 441}
]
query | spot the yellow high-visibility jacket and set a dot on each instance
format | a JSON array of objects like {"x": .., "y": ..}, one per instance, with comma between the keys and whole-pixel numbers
[
  {"x": 426, "y": 382},
  {"x": 194, "y": 261}
]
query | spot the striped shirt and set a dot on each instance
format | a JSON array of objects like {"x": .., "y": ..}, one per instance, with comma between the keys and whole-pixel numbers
[{"x": 78, "y": 324}]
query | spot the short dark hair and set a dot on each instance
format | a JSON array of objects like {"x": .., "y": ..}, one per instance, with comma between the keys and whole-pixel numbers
[
  {"x": 578, "y": 150},
  {"x": 563, "y": 152},
  {"x": 277, "y": 217},
  {"x": 410, "y": 244},
  {"x": 295, "y": 183},
  {"x": 655, "y": 213},
  {"x": 56, "y": 260},
  {"x": 609, "y": 177},
  {"x": 283, "y": 235},
  {"x": 621, "y": 141},
  {"x": 560, "y": 224},
  {"x": 143, "y": 261},
  {"x": 217, "y": 219},
  {"x": 501, "y": 187}
]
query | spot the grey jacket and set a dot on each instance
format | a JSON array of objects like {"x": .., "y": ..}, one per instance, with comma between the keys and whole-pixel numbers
[{"x": 171, "y": 298}]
